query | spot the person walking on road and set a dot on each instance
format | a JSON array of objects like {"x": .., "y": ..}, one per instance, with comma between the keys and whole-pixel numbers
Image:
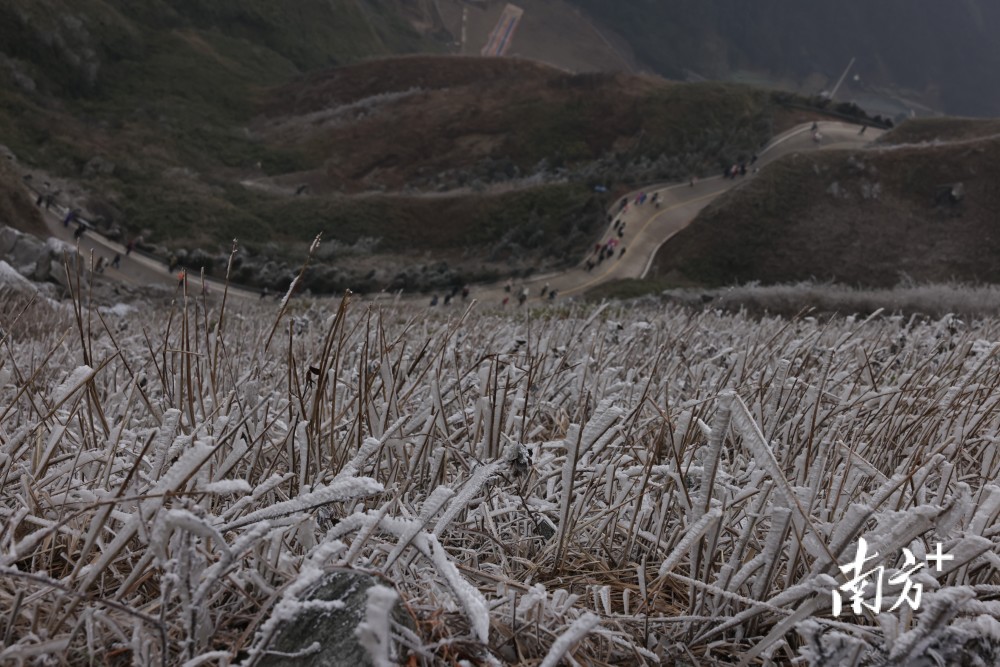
[{"x": 117, "y": 261}]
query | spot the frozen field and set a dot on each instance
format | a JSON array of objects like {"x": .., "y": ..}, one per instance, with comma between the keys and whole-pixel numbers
[{"x": 575, "y": 487}]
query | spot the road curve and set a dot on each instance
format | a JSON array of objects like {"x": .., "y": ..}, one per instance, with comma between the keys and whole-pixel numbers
[{"x": 647, "y": 227}]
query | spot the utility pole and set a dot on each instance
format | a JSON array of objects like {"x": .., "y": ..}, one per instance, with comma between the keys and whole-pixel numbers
[
  {"x": 465, "y": 18},
  {"x": 841, "y": 80}
]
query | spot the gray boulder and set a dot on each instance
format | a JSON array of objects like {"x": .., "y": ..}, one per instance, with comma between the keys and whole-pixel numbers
[{"x": 332, "y": 631}]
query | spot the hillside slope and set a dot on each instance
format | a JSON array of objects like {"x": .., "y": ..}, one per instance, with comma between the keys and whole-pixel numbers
[
  {"x": 945, "y": 53},
  {"x": 900, "y": 212},
  {"x": 484, "y": 166}
]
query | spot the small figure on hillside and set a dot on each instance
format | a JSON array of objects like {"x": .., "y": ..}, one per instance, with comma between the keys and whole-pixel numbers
[
  {"x": 181, "y": 278},
  {"x": 544, "y": 290},
  {"x": 129, "y": 247},
  {"x": 743, "y": 168},
  {"x": 863, "y": 128},
  {"x": 552, "y": 295},
  {"x": 590, "y": 265},
  {"x": 70, "y": 217},
  {"x": 508, "y": 286},
  {"x": 622, "y": 253},
  {"x": 523, "y": 296},
  {"x": 447, "y": 299},
  {"x": 505, "y": 301},
  {"x": 434, "y": 300},
  {"x": 753, "y": 158},
  {"x": 263, "y": 292},
  {"x": 80, "y": 229},
  {"x": 815, "y": 126},
  {"x": 117, "y": 261},
  {"x": 465, "y": 292},
  {"x": 99, "y": 266}
]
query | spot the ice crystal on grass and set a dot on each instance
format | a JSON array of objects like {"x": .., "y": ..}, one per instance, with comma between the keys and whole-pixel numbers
[{"x": 608, "y": 485}]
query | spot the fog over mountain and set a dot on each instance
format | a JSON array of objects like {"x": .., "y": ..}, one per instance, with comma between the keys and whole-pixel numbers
[{"x": 946, "y": 52}]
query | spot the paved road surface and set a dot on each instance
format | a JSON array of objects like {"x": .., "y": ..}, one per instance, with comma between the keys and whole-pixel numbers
[
  {"x": 647, "y": 227},
  {"x": 135, "y": 268}
]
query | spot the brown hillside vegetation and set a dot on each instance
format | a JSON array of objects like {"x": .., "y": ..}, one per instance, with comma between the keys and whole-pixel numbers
[
  {"x": 416, "y": 121},
  {"x": 942, "y": 129},
  {"x": 872, "y": 218}
]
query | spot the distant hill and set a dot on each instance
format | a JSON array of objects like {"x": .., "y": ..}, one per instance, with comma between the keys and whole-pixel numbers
[
  {"x": 192, "y": 123},
  {"x": 921, "y": 207},
  {"x": 946, "y": 53}
]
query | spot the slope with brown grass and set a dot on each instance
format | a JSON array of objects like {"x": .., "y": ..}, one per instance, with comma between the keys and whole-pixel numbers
[{"x": 924, "y": 212}]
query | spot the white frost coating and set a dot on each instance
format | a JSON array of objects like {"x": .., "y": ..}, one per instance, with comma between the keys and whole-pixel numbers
[
  {"x": 184, "y": 468},
  {"x": 338, "y": 490},
  {"x": 364, "y": 452},
  {"x": 227, "y": 487},
  {"x": 290, "y": 606},
  {"x": 461, "y": 500},
  {"x": 432, "y": 506},
  {"x": 219, "y": 658},
  {"x": 172, "y": 520},
  {"x": 75, "y": 380},
  {"x": 291, "y": 289},
  {"x": 693, "y": 534},
  {"x": 605, "y": 415},
  {"x": 373, "y": 632},
  {"x": 577, "y": 631},
  {"x": 471, "y": 600},
  {"x": 118, "y": 310},
  {"x": 937, "y": 610}
]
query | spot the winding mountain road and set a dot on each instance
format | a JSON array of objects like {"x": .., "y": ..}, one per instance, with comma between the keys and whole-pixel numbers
[{"x": 647, "y": 228}]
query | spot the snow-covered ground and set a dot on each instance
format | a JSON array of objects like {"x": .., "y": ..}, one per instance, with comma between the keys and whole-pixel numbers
[{"x": 604, "y": 486}]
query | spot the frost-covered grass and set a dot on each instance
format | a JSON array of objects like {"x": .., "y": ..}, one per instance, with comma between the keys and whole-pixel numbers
[{"x": 600, "y": 486}]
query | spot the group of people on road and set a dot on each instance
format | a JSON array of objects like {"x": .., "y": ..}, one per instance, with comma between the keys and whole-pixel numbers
[{"x": 465, "y": 290}]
